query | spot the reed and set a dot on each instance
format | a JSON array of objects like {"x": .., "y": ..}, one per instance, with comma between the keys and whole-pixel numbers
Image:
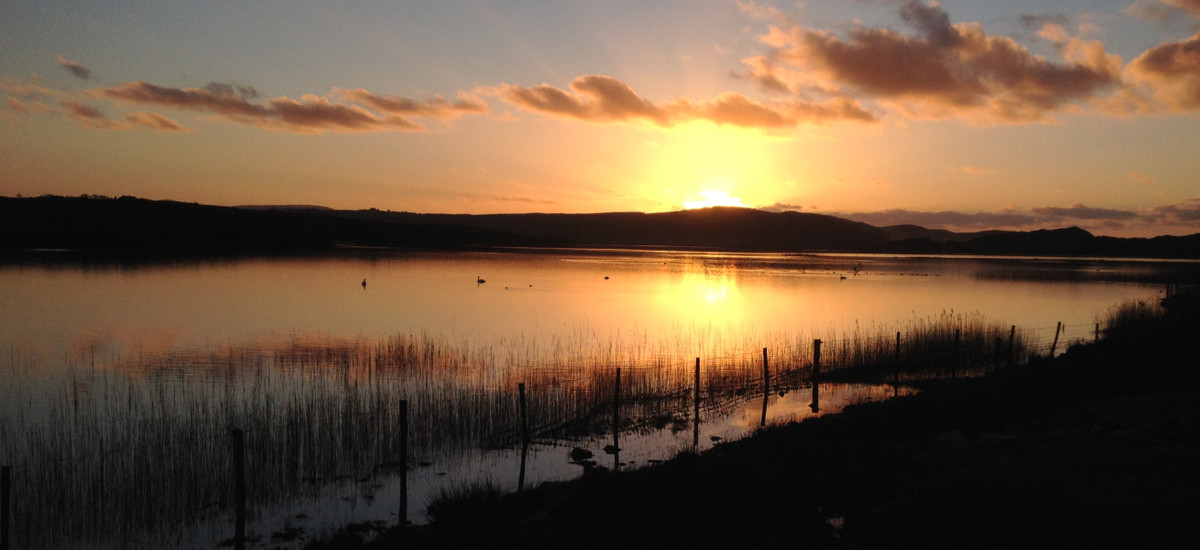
[{"x": 145, "y": 447}]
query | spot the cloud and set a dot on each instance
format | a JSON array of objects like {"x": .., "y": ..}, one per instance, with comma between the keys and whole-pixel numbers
[
  {"x": 88, "y": 116},
  {"x": 1141, "y": 178},
  {"x": 74, "y": 68},
  {"x": 438, "y": 107},
  {"x": 31, "y": 89},
  {"x": 1081, "y": 212},
  {"x": 1183, "y": 217},
  {"x": 943, "y": 69},
  {"x": 28, "y": 107},
  {"x": 974, "y": 170},
  {"x": 91, "y": 117},
  {"x": 155, "y": 121},
  {"x": 309, "y": 114},
  {"x": 1172, "y": 72},
  {"x": 600, "y": 98}
]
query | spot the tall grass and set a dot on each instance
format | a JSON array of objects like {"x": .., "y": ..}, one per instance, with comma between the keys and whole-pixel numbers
[{"x": 145, "y": 448}]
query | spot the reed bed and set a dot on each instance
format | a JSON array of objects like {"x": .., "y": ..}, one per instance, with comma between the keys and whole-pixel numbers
[{"x": 145, "y": 448}]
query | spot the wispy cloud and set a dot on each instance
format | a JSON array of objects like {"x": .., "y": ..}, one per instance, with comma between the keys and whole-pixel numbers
[
  {"x": 600, "y": 98},
  {"x": 437, "y": 107},
  {"x": 341, "y": 111},
  {"x": 1183, "y": 216},
  {"x": 74, "y": 68},
  {"x": 92, "y": 117},
  {"x": 309, "y": 114}
]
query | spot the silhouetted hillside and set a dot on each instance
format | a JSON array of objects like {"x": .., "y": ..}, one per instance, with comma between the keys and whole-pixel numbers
[{"x": 130, "y": 226}]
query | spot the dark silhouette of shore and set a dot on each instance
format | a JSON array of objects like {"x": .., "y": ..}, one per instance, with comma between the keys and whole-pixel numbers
[
  {"x": 1096, "y": 448},
  {"x": 133, "y": 227}
]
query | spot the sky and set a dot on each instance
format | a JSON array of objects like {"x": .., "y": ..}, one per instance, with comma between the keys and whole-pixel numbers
[{"x": 962, "y": 115}]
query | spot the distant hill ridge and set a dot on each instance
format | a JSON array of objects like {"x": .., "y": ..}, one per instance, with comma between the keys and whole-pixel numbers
[{"x": 130, "y": 225}]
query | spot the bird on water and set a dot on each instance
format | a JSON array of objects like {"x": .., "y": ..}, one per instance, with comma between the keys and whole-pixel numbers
[
  {"x": 364, "y": 284},
  {"x": 479, "y": 280}
]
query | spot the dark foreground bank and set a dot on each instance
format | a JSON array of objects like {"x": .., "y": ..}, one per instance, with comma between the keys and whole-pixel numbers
[{"x": 1097, "y": 448}]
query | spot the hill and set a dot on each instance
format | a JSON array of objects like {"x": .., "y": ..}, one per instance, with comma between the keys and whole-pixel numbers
[{"x": 129, "y": 226}]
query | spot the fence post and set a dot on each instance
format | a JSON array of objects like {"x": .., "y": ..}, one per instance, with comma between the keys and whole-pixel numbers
[
  {"x": 402, "y": 519},
  {"x": 816, "y": 377},
  {"x": 896, "y": 367},
  {"x": 1054, "y": 345},
  {"x": 616, "y": 423},
  {"x": 696, "y": 410},
  {"x": 954, "y": 353},
  {"x": 524, "y": 437},
  {"x": 5, "y": 498},
  {"x": 766, "y": 388},
  {"x": 1012, "y": 335},
  {"x": 239, "y": 489},
  {"x": 524, "y": 416}
]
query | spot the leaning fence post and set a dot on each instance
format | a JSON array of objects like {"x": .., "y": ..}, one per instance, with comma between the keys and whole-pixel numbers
[
  {"x": 1054, "y": 345},
  {"x": 239, "y": 489},
  {"x": 5, "y": 498},
  {"x": 696, "y": 410},
  {"x": 402, "y": 519},
  {"x": 766, "y": 388}
]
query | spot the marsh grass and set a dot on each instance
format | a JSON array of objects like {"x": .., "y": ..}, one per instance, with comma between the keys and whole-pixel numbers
[{"x": 144, "y": 448}]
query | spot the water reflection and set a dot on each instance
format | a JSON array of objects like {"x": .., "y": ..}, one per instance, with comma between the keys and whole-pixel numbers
[{"x": 312, "y": 362}]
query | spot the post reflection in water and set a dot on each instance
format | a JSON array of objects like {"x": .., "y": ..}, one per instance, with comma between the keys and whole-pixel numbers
[{"x": 299, "y": 348}]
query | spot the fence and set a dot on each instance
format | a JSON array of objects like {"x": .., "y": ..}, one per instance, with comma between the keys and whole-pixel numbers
[{"x": 156, "y": 456}]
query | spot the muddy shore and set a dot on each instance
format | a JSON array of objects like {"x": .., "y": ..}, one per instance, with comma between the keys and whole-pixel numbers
[{"x": 1098, "y": 448}]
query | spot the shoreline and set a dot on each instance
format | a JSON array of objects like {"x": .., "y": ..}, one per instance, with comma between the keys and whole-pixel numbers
[{"x": 1096, "y": 447}]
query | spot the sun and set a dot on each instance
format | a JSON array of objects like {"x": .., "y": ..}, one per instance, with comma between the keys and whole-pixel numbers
[
  {"x": 712, "y": 197},
  {"x": 700, "y": 165}
]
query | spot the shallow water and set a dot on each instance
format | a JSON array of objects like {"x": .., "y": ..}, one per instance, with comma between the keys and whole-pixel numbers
[{"x": 201, "y": 334}]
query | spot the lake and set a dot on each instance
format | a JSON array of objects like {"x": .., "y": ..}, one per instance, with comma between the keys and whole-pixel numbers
[{"x": 100, "y": 362}]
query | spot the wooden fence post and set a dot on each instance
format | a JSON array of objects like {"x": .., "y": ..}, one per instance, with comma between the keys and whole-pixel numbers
[
  {"x": 402, "y": 518},
  {"x": 5, "y": 499},
  {"x": 616, "y": 422},
  {"x": 954, "y": 353},
  {"x": 816, "y": 370},
  {"x": 896, "y": 368},
  {"x": 1054, "y": 345},
  {"x": 1012, "y": 335},
  {"x": 239, "y": 489},
  {"x": 766, "y": 389},
  {"x": 696, "y": 410},
  {"x": 524, "y": 437},
  {"x": 524, "y": 416},
  {"x": 816, "y": 377}
]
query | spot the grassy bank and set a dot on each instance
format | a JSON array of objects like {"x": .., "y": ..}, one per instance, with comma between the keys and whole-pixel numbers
[{"x": 1097, "y": 448}]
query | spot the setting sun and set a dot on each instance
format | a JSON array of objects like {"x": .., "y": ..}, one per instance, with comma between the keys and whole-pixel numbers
[{"x": 711, "y": 198}]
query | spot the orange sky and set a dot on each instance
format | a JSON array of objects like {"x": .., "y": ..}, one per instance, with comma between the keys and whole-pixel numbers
[{"x": 960, "y": 115}]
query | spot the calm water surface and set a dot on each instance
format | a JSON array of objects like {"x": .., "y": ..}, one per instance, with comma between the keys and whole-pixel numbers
[
  {"x": 63, "y": 314},
  {"x": 64, "y": 329}
]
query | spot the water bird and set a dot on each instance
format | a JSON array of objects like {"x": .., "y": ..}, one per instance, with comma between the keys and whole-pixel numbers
[
  {"x": 579, "y": 454},
  {"x": 479, "y": 280},
  {"x": 606, "y": 277},
  {"x": 364, "y": 284}
]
